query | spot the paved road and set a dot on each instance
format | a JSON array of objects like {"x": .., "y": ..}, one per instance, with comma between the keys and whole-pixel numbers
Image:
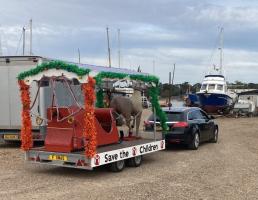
[{"x": 226, "y": 170}]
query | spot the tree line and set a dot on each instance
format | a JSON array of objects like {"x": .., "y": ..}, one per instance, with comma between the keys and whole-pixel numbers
[{"x": 181, "y": 89}]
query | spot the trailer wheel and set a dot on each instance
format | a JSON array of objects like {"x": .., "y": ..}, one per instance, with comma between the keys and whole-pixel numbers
[
  {"x": 135, "y": 161},
  {"x": 117, "y": 166}
]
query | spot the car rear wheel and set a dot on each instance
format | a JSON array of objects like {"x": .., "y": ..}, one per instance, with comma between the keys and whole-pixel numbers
[
  {"x": 195, "y": 141},
  {"x": 215, "y": 136}
]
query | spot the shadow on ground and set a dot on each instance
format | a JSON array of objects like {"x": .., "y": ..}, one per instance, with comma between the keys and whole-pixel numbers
[{"x": 17, "y": 144}]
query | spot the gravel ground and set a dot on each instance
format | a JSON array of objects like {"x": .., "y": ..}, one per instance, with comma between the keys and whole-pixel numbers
[{"x": 226, "y": 170}]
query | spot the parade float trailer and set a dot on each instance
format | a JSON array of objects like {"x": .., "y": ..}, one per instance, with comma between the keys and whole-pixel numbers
[
  {"x": 10, "y": 120},
  {"x": 80, "y": 132}
]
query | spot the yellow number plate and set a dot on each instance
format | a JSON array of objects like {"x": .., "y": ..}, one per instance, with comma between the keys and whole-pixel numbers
[
  {"x": 11, "y": 137},
  {"x": 57, "y": 157}
]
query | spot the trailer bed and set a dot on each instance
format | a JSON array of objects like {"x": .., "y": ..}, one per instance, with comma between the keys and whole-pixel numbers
[{"x": 105, "y": 154}]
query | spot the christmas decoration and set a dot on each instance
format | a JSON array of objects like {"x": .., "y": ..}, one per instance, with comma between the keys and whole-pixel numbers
[
  {"x": 54, "y": 65},
  {"x": 89, "y": 118},
  {"x": 26, "y": 135}
]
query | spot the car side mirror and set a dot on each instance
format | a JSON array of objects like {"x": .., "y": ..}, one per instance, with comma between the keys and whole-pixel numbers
[{"x": 211, "y": 117}]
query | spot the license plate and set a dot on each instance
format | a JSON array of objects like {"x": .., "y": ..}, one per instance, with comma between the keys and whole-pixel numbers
[
  {"x": 58, "y": 157},
  {"x": 11, "y": 137}
]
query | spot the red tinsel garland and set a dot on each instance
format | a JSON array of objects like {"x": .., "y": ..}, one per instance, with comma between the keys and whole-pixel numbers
[
  {"x": 89, "y": 118},
  {"x": 26, "y": 136}
]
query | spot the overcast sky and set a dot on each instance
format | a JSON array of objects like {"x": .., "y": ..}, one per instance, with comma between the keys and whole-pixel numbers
[{"x": 184, "y": 32}]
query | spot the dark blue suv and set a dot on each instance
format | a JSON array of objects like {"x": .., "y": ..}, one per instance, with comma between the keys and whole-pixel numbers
[{"x": 187, "y": 125}]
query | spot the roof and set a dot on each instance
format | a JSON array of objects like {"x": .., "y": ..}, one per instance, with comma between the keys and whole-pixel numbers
[
  {"x": 32, "y": 56},
  {"x": 96, "y": 68},
  {"x": 252, "y": 92},
  {"x": 108, "y": 69},
  {"x": 178, "y": 109}
]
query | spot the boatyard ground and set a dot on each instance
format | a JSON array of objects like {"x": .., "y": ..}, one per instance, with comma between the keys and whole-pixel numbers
[{"x": 226, "y": 170}]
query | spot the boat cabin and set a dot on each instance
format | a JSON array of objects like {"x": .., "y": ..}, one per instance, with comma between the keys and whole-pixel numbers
[{"x": 214, "y": 84}]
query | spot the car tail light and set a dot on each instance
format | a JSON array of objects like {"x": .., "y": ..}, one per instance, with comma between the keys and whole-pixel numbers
[{"x": 180, "y": 125}]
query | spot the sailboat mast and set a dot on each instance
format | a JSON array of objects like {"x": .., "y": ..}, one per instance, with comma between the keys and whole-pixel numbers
[
  {"x": 221, "y": 49},
  {"x": 23, "y": 41},
  {"x": 30, "y": 36},
  {"x": 119, "y": 51},
  {"x": 109, "y": 57},
  {"x": 79, "y": 56}
]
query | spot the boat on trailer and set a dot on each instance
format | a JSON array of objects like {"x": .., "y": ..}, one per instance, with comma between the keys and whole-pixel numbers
[{"x": 213, "y": 95}]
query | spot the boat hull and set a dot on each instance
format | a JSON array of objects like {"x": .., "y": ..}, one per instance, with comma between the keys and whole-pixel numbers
[{"x": 211, "y": 103}]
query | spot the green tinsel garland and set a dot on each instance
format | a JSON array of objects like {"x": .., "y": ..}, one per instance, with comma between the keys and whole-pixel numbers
[
  {"x": 54, "y": 65},
  {"x": 100, "y": 103},
  {"x": 112, "y": 75},
  {"x": 139, "y": 77},
  {"x": 153, "y": 92}
]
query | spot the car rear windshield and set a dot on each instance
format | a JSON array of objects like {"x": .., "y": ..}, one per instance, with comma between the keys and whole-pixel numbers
[{"x": 172, "y": 117}]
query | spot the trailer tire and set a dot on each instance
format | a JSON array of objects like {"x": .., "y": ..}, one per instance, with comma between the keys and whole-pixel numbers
[
  {"x": 135, "y": 161},
  {"x": 117, "y": 166}
]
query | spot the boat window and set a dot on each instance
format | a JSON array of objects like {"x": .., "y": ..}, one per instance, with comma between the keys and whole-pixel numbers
[
  {"x": 211, "y": 87},
  {"x": 219, "y": 87},
  {"x": 204, "y": 86}
]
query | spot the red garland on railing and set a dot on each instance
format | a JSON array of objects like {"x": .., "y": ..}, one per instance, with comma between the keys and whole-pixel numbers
[
  {"x": 89, "y": 118},
  {"x": 26, "y": 136}
]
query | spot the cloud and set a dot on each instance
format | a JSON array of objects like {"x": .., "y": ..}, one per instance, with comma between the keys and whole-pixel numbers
[
  {"x": 229, "y": 16},
  {"x": 167, "y": 31}
]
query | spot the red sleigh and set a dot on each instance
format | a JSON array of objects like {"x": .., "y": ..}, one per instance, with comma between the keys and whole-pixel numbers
[{"x": 65, "y": 128}]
